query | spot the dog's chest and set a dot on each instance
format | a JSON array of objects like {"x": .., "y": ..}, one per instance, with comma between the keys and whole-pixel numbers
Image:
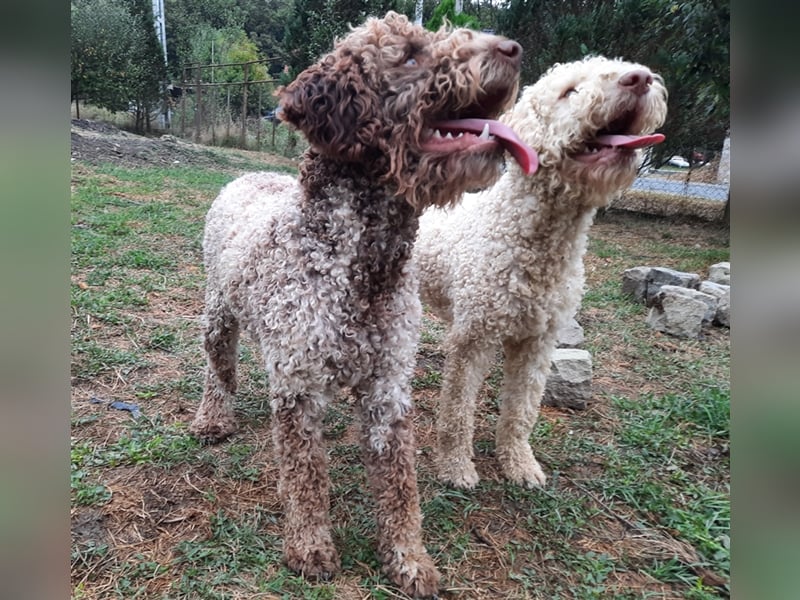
[{"x": 327, "y": 319}]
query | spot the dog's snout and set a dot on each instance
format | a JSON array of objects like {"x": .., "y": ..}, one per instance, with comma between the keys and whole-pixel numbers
[
  {"x": 511, "y": 50},
  {"x": 638, "y": 81}
]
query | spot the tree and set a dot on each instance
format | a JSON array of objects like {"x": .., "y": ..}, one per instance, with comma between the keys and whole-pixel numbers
[
  {"x": 265, "y": 24},
  {"x": 116, "y": 60},
  {"x": 446, "y": 11},
  {"x": 230, "y": 45},
  {"x": 148, "y": 72},
  {"x": 314, "y": 24},
  {"x": 187, "y": 20},
  {"x": 685, "y": 42},
  {"x": 695, "y": 62},
  {"x": 102, "y": 32}
]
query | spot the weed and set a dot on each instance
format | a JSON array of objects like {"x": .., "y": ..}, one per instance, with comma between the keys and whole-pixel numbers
[
  {"x": 163, "y": 338},
  {"x": 431, "y": 332},
  {"x": 92, "y": 359},
  {"x": 237, "y": 552},
  {"x": 238, "y": 465},
  {"x": 86, "y": 493},
  {"x": 336, "y": 421},
  {"x": 431, "y": 379},
  {"x": 147, "y": 441}
]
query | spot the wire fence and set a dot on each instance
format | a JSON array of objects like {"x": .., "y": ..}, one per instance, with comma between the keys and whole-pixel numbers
[
  {"x": 689, "y": 183},
  {"x": 238, "y": 111},
  {"x": 697, "y": 190}
]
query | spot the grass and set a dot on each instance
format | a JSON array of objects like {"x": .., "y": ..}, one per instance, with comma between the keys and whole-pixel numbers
[{"x": 637, "y": 501}]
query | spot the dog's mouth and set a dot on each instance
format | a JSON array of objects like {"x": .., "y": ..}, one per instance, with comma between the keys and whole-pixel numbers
[
  {"x": 473, "y": 129},
  {"x": 616, "y": 139},
  {"x": 456, "y": 135}
]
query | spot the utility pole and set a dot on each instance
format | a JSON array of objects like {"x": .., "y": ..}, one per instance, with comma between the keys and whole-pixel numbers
[
  {"x": 161, "y": 25},
  {"x": 161, "y": 31}
]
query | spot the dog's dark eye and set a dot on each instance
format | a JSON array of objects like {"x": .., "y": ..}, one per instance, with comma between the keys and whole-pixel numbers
[{"x": 411, "y": 62}]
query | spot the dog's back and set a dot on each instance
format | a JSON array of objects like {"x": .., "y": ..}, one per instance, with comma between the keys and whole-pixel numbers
[{"x": 245, "y": 210}]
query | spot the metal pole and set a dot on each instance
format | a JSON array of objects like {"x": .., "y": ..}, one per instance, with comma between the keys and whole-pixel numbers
[
  {"x": 198, "y": 106},
  {"x": 243, "y": 134},
  {"x": 159, "y": 20},
  {"x": 184, "y": 90}
]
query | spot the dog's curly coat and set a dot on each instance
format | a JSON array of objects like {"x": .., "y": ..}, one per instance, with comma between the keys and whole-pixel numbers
[
  {"x": 505, "y": 267},
  {"x": 318, "y": 270}
]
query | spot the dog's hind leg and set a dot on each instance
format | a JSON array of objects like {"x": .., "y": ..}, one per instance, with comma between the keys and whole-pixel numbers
[
  {"x": 304, "y": 485},
  {"x": 215, "y": 419},
  {"x": 465, "y": 368},
  {"x": 525, "y": 372},
  {"x": 389, "y": 455}
]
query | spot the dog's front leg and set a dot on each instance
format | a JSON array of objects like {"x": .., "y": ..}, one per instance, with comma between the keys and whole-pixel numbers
[
  {"x": 465, "y": 368},
  {"x": 389, "y": 453},
  {"x": 525, "y": 371},
  {"x": 304, "y": 486}
]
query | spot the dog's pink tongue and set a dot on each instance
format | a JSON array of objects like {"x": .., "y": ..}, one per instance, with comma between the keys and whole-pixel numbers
[
  {"x": 630, "y": 141},
  {"x": 525, "y": 156}
]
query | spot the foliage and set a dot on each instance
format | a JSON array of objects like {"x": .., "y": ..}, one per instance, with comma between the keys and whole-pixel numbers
[
  {"x": 190, "y": 23},
  {"x": 116, "y": 60},
  {"x": 225, "y": 46},
  {"x": 223, "y": 32},
  {"x": 315, "y": 24},
  {"x": 446, "y": 11},
  {"x": 149, "y": 69},
  {"x": 686, "y": 42},
  {"x": 265, "y": 24},
  {"x": 107, "y": 39},
  {"x": 697, "y": 68}
]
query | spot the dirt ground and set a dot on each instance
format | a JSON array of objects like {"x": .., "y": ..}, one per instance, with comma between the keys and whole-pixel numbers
[
  {"x": 96, "y": 142},
  {"x": 152, "y": 509}
]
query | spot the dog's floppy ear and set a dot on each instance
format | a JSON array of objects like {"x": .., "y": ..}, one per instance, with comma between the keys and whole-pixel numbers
[{"x": 335, "y": 110}]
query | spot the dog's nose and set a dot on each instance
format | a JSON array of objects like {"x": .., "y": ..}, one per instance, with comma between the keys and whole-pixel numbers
[
  {"x": 511, "y": 50},
  {"x": 638, "y": 81}
]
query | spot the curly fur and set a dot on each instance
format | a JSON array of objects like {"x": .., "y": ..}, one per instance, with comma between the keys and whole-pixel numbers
[
  {"x": 504, "y": 268},
  {"x": 318, "y": 271}
]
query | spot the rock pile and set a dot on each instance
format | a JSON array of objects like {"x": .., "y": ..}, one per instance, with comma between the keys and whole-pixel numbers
[{"x": 681, "y": 304}]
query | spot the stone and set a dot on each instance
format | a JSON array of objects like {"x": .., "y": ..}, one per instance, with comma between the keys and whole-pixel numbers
[
  {"x": 723, "y": 316},
  {"x": 723, "y": 295},
  {"x": 680, "y": 311},
  {"x": 570, "y": 335},
  {"x": 634, "y": 283},
  {"x": 570, "y": 382},
  {"x": 720, "y": 273},
  {"x": 661, "y": 276},
  {"x": 724, "y": 169}
]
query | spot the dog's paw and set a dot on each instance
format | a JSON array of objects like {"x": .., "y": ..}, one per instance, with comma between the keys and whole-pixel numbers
[
  {"x": 415, "y": 574},
  {"x": 212, "y": 432},
  {"x": 527, "y": 473},
  {"x": 460, "y": 473},
  {"x": 317, "y": 562}
]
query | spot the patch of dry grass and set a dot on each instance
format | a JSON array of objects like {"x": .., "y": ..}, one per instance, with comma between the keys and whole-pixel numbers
[{"x": 636, "y": 501}]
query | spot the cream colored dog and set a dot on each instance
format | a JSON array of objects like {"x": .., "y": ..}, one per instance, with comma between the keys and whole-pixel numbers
[{"x": 504, "y": 268}]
